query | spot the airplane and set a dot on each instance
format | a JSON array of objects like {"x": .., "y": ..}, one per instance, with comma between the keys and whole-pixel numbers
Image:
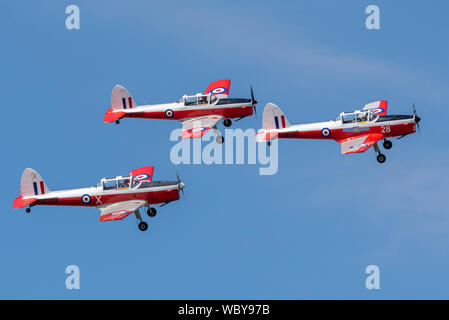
[
  {"x": 198, "y": 113},
  {"x": 116, "y": 198},
  {"x": 356, "y": 131}
]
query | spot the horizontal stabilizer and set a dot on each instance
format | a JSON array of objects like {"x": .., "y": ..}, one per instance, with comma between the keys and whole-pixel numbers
[
  {"x": 19, "y": 202},
  {"x": 111, "y": 115},
  {"x": 266, "y": 135}
]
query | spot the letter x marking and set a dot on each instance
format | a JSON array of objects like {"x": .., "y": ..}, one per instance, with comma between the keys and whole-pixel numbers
[{"x": 98, "y": 199}]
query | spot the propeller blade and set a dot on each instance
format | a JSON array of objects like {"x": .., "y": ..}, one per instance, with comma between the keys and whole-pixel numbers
[
  {"x": 253, "y": 102},
  {"x": 180, "y": 184},
  {"x": 417, "y": 118}
]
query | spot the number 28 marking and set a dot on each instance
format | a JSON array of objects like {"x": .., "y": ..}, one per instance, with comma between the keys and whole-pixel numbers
[{"x": 385, "y": 129}]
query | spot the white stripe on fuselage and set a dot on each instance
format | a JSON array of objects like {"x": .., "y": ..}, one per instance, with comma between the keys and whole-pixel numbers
[
  {"x": 97, "y": 191},
  {"x": 178, "y": 106},
  {"x": 338, "y": 125}
]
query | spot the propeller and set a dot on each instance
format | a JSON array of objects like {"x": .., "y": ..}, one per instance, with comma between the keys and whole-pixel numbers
[
  {"x": 417, "y": 119},
  {"x": 253, "y": 102},
  {"x": 180, "y": 187},
  {"x": 180, "y": 184}
]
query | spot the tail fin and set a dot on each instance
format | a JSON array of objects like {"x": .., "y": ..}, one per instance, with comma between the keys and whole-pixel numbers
[
  {"x": 121, "y": 100},
  {"x": 31, "y": 185},
  {"x": 274, "y": 118}
]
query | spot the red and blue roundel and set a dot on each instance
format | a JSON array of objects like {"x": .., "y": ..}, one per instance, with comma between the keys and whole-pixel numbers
[
  {"x": 169, "y": 113},
  {"x": 85, "y": 198},
  {"x": 195, "y": 130},
  {"x": 143, "y": 176},
  {"x": 219, "y": 90},
  {"x": 359, "y": 146},
  {"x": 325, "y": 132},
  {"x": 377, "y": 110}
]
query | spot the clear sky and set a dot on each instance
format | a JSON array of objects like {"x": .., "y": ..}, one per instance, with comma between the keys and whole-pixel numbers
[{"x": 307, "y": 232}]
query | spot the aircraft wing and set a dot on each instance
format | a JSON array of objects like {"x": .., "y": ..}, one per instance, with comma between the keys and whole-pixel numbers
[
  {"x": 120, "y": 210},
  {"x": 219, "y": 88},
  {"x": 360, "y": 143},
  {"x": 197, "y": 127},
  {"x": 144, "y": 173},
  {"x": 377, "y": 107}
]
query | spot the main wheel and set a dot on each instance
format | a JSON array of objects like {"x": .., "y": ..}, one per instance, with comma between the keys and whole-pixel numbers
[
  {"x": 117, "y": 121},
  {"x": 219, "y": 139},
  {"x": 388, "y": 144},
  {"x": 381, "y": 158},
  {"x": 28, "y": 210},
  {"x": 269, "y": 143},
  {"x": 143, "y": 226},
  {"x": 151, "y": 212},
  {"x": 227, "y": 122}
]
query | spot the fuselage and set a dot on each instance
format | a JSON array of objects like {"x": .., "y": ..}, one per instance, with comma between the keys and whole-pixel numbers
[
  {"x": 388, "y": 126},
  {"x": 228, "y": 108},
  {"x": 152, "y": 192}
]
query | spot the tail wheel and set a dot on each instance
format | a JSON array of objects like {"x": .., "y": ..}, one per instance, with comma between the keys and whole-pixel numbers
[
  {"x": 117, "y": 121},
  {"x": 28, "y": 210},
  {"x": 143, "y": 226},
  {"x": 151, "y": 212},
  {"x": 381, "y": 158},
  {"x": 219, "y": 139},
  {"x": 387, "y": 144}
]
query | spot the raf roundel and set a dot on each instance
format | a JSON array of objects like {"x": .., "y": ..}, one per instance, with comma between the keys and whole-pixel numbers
[
  {"x": 142, "y": 176},
  {"x": 169, "y": 113},
  {"x": 219, "y": 90},
  {"x": 377, "y": 110},
  {"x": 325, "y": 132},
  {"x": 194, "y": 130},
  {"x": 85, "y": 198}
]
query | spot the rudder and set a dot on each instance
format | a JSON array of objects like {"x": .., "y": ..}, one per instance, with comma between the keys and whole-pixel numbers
[
  {"x": 32, "y": 184},
  {"x": 274, "y": 118},
  {"x": 121, "y": 99}
]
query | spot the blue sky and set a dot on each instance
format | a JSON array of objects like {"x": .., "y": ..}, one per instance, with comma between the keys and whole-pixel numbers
[{"x": 307, "y": 232}]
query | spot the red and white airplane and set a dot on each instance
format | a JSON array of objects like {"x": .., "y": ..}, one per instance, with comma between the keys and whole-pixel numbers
[
  {"x": 356, "y": 131},
  {"x": 198, "y": 113},
  {"x": 116, "y": 198}
]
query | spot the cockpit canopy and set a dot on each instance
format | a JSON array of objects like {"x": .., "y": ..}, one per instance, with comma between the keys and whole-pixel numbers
[
  {"x": 356, "y": 116},
  {"x": 115, "y": 183},
  {"x": 122, "y": 183},
  {"x": 198, "y": 99}
]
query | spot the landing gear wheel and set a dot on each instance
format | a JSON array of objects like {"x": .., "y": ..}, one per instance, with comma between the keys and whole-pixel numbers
[
  {"x": 117, "y": 121},
  {"x": 143, "y": 226},
  {"x": 388, "y": 144},
  {"x": 381, "y": 158},
  {"x": 28, "y": 210},
  {"x": 219, "y": 139},
  {"x": 269, "y": 143},
  {"x": 227, "y": 122},
  {"x": 151, "y": 212}
]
